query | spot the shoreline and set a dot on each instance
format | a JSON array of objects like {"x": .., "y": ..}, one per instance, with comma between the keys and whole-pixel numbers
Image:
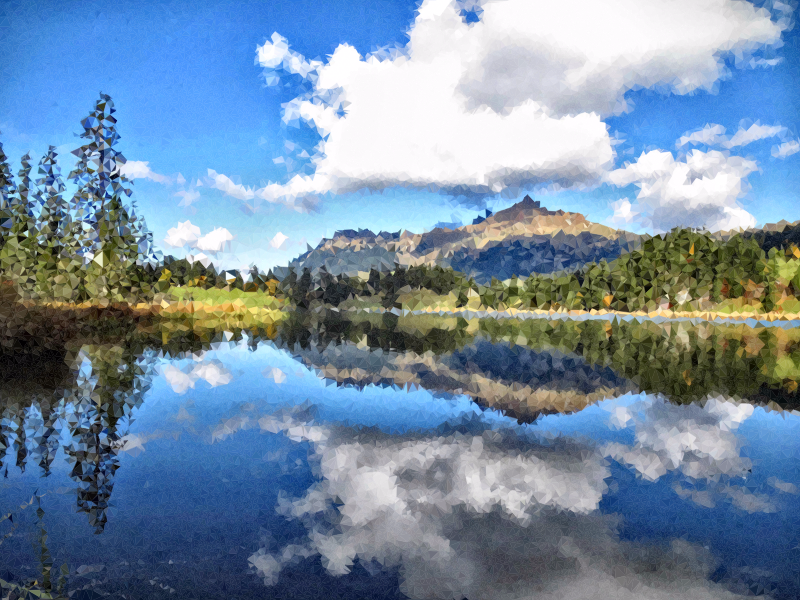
[
  {"x": 584, "y": 315},
  {"x": 240, "y": 307}
]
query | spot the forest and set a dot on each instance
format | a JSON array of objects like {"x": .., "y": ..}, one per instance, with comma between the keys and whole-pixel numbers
[{"x": 685, "y": 269}]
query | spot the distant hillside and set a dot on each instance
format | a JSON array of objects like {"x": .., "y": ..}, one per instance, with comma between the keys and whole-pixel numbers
[
  {"x": 779, "y": 235},
  {"x": 523, "y": 239}
]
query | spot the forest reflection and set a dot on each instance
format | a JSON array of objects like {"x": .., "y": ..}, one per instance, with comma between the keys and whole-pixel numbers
[{"x": 81, "y": 394}]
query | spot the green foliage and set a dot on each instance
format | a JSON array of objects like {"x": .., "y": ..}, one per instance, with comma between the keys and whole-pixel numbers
[
  {"x": 94, "y": 247},
  {"x": 684, "y": 269},
  {"x": 18, "y": 257},
  {"x": 52, "y": 226}
]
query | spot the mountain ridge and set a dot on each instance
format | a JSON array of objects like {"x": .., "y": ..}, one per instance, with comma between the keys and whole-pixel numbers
[
  {"x": 518, "y": 240},
  {"x": 522, "y": 239}
]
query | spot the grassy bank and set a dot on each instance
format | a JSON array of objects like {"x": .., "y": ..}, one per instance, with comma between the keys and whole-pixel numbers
[
  {"x": 220, "y": 307},
  {"x": 428, "y": 302}
]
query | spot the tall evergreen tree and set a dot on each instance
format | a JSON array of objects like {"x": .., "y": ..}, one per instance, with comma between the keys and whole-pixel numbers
[
  {"x": 7, "y": 190},
  {"x": 53, "y": 226},
  {"x": 100, "y": 205},
  {"x": 18, "y": 258}
]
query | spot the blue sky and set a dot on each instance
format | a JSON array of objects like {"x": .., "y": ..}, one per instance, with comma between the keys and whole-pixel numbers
[{"x": 191, "y": 98}]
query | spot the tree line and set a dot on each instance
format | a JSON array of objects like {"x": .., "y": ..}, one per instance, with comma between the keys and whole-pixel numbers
[
  {"x": 685, "y": 268},
  {"x": 92, "y": 246}
]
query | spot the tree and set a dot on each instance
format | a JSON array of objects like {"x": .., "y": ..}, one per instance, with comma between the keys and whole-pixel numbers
[
  {"x": 112, "y": 248},
  {"x": 18, "y": 258},
  {"x": 7, "y": 190},
  {"x": 52, "y": 225}
]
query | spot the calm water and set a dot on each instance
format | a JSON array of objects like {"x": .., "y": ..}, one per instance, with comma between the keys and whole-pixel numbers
[{"x": 408, "y": 459}]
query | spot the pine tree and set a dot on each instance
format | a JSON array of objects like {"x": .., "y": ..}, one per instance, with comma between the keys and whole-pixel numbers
[
  {"x": 53, "y": 225},
  {"x": 18, "y": 258},
  {"x": 109, "y": 247},
  {"x": 142, "y": 254},
  {"x": 7, "y": 190},
  {"x": 81, "y": 237}
]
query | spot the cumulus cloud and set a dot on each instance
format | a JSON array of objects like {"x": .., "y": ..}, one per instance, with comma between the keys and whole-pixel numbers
[
  {"x": 753, "y": 133},
  {"x": 227, "y": 186},
  {"x": 213, "y": 373},
  {"x": 275, "y": 374},
  {"x": 514, "y": 100},
  {"x": 185, "y": 234},
  {"x": 786, "y": 149},
  {"x": 216, "y": 241},
  {"x": 137, "y": 169},
  {"x": 276, "y": 53},
  {"x": 200, "y": 257},
  {"x": 701, "y": 190},
  {"x": 179, "y": 380},
  {"x": 624, "y": 213},
  {"x": 709, "y": 135},
  {"x": 699, "y": 441}
]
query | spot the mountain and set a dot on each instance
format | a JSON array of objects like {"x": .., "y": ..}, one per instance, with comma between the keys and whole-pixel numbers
[{"x": 523, "y": 239}]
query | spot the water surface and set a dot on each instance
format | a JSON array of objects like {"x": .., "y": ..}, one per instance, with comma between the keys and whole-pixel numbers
[{"x": 408, "y": 458}]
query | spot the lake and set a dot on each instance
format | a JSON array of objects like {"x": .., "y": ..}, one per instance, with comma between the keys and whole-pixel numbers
[{"x": 371, "y": 456}]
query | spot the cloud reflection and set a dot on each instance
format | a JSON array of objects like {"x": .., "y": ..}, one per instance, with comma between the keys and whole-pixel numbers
[{"x": 484, "y": 514}]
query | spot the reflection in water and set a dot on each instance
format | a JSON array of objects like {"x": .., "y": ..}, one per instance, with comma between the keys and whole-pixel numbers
[
  {"x": 480, "y": 507},
  {"x": 109, "y": 383},
  {"x": 490, "y": 514},
  {"x": 523, "y": 382},
  {"x": 534, "y": 367}
]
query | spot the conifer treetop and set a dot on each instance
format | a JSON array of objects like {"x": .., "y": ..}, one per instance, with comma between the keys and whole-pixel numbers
[{"x": 7, "y": 186}]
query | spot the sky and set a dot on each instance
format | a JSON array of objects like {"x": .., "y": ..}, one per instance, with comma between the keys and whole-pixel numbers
[{"x": 255, "y": 128}]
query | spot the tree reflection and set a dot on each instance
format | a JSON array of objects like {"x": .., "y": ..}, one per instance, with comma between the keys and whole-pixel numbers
[
  {"x": 111, "y": 383},
  {"x": 515, "y": 360},
  {"x": 87, "y": 391}
]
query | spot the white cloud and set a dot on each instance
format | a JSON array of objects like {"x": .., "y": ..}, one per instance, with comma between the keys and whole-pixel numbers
[
  {"x": 278, "y": 241},
  {"x": 444, "y": 508},
  {"x": 138, "y": 169},
  {"x": 624, "y": 213},
  {"x": 217, "y": 241},
  {"x": 755, "y": 132},
  {"x": 513, "y": 100},
  {"x": 276, "y": 54},
  {"x": 710, "y": 135},
  {"x": 702, "y": 190},
  {"x": 275, "y": 374},
  {"x": 786, "y": 149},
  {"x": 183, "y": 234},
  {"x": 714, "y": 135},
  {"x": 200, "y": 257},
  {"x": 180, "y": 381},
  {"x": 697, "y": 440},
  {"x": 764, "y": 62},
  {"x": 213, "y": 373},
  {"x": 226, "y": 185}
]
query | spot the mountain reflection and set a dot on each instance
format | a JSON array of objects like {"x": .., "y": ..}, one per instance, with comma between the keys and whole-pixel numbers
[
  {"x": 521, "y": 382},
  {"x": 493, "y": 504},
  {"x": 528, "y": 368}
]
